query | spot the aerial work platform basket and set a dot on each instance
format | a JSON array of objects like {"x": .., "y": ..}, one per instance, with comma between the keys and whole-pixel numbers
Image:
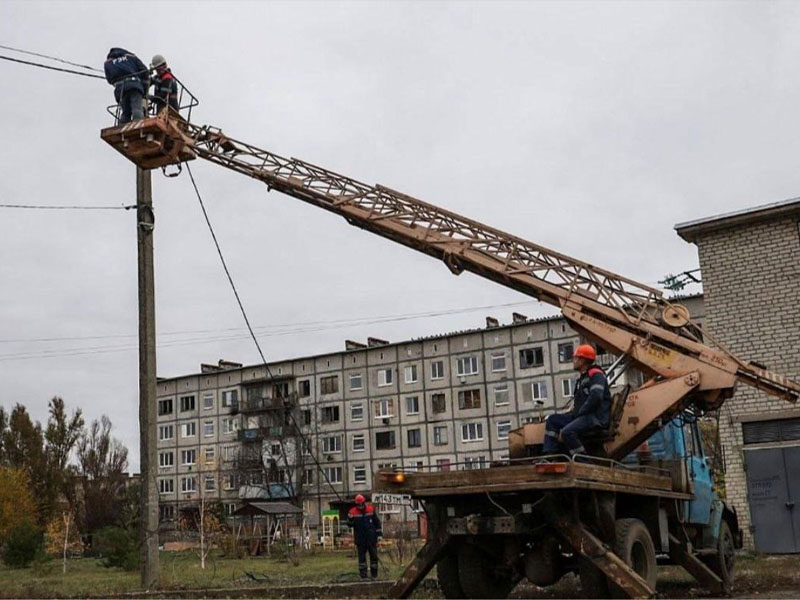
[
  {"x": 155, "y": 141},
  {"x": 159, "y": 139}
]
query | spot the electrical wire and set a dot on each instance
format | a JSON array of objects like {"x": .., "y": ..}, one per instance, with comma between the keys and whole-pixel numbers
[
  {"x": 250, "y": 329},
  {"x": 41, "y": 66},
  {"x": 59, "y": 207},
  {"x": 61, "y": 60}
]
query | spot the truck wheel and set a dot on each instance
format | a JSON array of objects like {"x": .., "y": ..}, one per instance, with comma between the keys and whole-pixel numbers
[
  {"x": 478, "y": 576},
  {"x": 635, "y": 547},
  {"x": 447, "y": 574},
  {"x": 722, "y": 562},
  {"x": 593, "y": 582}
]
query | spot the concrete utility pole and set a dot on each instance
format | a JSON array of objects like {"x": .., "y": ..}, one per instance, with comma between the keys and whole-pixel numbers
[{"x": 148, "y": 504}]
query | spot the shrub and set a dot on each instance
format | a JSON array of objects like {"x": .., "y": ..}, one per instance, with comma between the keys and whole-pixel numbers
[
  {"x": 118, "y": 547},
  {"x": 23, "y": 545}
]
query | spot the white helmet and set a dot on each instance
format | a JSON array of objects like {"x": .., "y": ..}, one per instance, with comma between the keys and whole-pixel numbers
[{"x": 158, "y": 61}]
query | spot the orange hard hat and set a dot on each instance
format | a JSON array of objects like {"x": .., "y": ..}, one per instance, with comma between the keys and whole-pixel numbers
[
  {"x": 586, "y": 351},
  {"x": 360, "y": 499}
]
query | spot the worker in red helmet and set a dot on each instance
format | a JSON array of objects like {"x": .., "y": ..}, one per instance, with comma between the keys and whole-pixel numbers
[
  {"x": 366, "y": 533},
  {"x": 591, "y": 406}
]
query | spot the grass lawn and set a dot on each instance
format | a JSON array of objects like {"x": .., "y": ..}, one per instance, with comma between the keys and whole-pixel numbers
[
  {"x": 767, "y": 576},
  {"x": 86, "y": 576}
]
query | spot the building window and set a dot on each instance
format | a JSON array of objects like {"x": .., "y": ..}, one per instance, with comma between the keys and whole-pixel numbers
[
  {"x": 359, "y": 443},
  {"x": 210, "y": 483},
  {"x": 208, "y": 401},
  {"x": 275, "y": 449},
  {"x": 229, "y": 425},
  {"x": 411, "y": 374},
  {"x": 498, "y": 362},
  {"x": 188, "y": 484},
  {"x": 188, "y": 457},
  {"x": 437, "y": 369},
  {"x": 166, "y": 486},
  {"x": 385, "y": 377},
  {"x": 501, "y": 395},
  {"x": 539, "y": 390},
  {"x": 208, "y": 428},
  {"x": 531, "y": 357},
  {"x": 565, "y": 352},
  {"x": 503, "y": 427},
  {"x": 308, "y": 477},
  {"x": 443, "y": 464},
  {"x": 166, "y": 459},
  {"x": 384, "y": 440},
  {"x": 384, "y": 408},
  {"x": 306, "y": 416},
  {"x": 467, "y": 365},
  {"x": 566, "y": 388},
  {"x": 166, "y": 512},
  {"x": 187, "y": 403},
  {"x": 440, "y": 435},
  {"x": 228, "y": 453},
  {"x": 356, "y": 381},
  {"x": 330, "y": 414},
  {"x": 210, "y": 454},
  {"x": 165, "y": 407},
  {"x": 304, "y": 388},
  {"x": 414, "y": 438},
  {"x": 189, "y": 429},
  {"x": 438, "y": 403},
  {"x": 471, "y": 432},
  {"x": 329, "y": 385},
  {"x": 474, "y": 462},
  {"x": 360, "y": 474},
  {"x": 356, "y": 411},
  {"x": 468, "y": 399},
  {"x": 332, "y": 444},
  {"x": 165, "y": 432},
  {"x": 230, "y": 398},
  {"x": 412, "y": 405},
  {"x": 333, "y": 475}
]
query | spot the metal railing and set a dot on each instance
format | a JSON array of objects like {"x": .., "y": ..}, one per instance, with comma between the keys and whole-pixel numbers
[{"x": 186, "y": 102}]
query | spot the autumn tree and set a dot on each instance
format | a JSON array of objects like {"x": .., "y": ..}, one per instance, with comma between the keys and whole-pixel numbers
[
  {"x": 61, "y": 536},
  {"x": 16, "y": 500}
]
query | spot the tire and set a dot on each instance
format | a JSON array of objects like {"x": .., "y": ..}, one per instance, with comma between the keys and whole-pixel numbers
[
  {"x": 722, "y": 563},
  {"x": 593, "y": 582},
  {"x": 635, "y": 547},
  {"x": 447, "y": 574},
  {"x": 478, "y": 576}
]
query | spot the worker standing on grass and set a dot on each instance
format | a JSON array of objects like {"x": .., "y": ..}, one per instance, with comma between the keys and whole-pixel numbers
[
  {"x": 591, "y": 408},
  {"x": 165, "y": 86},
  {"x": 366, "y": 533},
  {"x": 130, "y": 77}
]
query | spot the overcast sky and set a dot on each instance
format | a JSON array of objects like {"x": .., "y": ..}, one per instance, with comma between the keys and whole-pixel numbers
[{"x": 592, "y": 128}]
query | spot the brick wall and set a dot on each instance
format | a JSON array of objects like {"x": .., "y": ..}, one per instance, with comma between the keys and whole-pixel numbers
[{"x": 751, "y": 285}]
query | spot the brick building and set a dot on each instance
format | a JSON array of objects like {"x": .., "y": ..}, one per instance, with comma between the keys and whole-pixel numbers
[
  {"x": 442, "y": 402},
  {"x": 750, "y": 264}
]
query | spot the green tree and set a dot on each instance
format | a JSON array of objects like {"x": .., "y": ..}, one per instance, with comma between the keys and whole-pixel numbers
[
  {"x": 102, "y": 462},
  {"x": 23, "y": 544}
]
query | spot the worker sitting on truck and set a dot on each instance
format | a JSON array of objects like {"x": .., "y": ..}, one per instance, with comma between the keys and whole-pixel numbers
[
  {"x": 366, "y": 533},
  {"x": 165, "y": 86},
  {"x": 129, "y": 76},
  {"x": 591, "y": 408}
]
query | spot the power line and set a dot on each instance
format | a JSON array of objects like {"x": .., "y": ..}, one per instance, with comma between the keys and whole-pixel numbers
[
  {"x": 284, "y": 328},
  {"x": 60, "y": 207},
  {"x": 252, "y": 334},
  {"x": 55, "y": 58},
  {"x": 41, "y": 66}
]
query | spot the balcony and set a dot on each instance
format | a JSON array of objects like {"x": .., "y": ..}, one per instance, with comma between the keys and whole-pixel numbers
[
  {"x": 266, "y": 403},
  {"x": 259, "y": 434}
]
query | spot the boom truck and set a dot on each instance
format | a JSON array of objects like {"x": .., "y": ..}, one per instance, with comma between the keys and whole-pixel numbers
[{"x": 610, "y": 517}]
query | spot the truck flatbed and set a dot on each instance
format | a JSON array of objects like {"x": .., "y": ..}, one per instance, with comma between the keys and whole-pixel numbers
[{"x": 599, "y": 475}]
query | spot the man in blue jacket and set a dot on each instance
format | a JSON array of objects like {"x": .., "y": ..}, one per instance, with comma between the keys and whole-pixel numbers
[
  {"x": 591, "y": 408},
  {"x": 366, "y": 532},
  {"x": 130, "y": 78}
]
